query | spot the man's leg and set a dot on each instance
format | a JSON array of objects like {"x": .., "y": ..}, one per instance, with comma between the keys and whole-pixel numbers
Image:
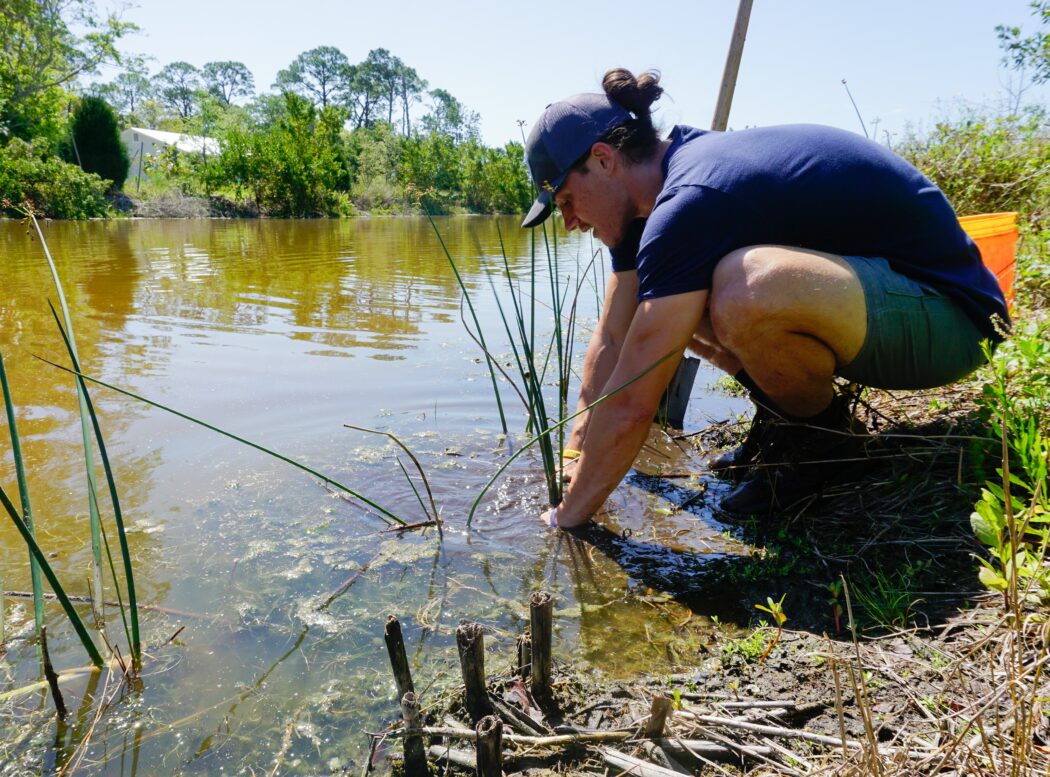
[
  {"x": 786, "y": 319},
  {"x": 790, "y": 317}
]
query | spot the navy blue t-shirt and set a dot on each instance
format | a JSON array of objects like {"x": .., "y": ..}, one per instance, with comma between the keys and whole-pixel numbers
[{"x": 805, "y": 186}]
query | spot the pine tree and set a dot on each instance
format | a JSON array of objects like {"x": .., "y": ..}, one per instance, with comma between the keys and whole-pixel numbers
[{"x": 97, "y": 144}]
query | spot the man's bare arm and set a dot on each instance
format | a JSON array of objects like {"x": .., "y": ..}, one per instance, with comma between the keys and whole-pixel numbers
[
  {"x": 620, "y": 424},
  {"x": 603, "y": 350}
]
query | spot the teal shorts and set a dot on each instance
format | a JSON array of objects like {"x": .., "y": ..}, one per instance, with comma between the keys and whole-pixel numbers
[{"x": 917, "y": 337}]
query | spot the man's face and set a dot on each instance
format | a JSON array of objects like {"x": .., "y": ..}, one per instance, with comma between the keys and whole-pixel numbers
[{"x": 592, "y": 199}]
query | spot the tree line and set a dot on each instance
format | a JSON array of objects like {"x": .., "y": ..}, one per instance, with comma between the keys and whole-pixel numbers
[{"x": 330, "y": 137}]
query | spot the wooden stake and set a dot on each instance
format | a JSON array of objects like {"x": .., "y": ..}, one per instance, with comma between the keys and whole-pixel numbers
[
  {"x": 490, "y": 746},
  {"x": 395, "y": 646},
  {"x": 415, "y": 755},
  {"x": 658, "y": 713},
  {"x": 541, "y": 607},
  {"x": 470, "y": 640},
  {"x": 736, "y": 50}
]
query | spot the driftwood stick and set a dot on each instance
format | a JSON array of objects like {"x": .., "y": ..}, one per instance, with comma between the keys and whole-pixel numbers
[
  {"x": 541, "y": 609},
  {"x": 415, "y": 756},
  {"x": 520, "y": 721},
  {"x": 708, "y": 748},
  {"x": 776, "y": 731},
  {"x": 470, "y": 640},
  {"x": 633, "y": 766},
  {"x": 464, "y": 758},
  {"x": 395, "y": 646},
  {"x": 658, "y": 755},
  {"x": 490, "y": 746},
  {"x": 555, "y": 740},
  {"x": 658, "y": 712},
  {"x": 87, "y": 600}
]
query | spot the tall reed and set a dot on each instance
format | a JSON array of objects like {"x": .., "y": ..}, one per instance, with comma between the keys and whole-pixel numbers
[
  {"x": 85, "y": 433},
  {"x": 27, "y": 510},
  {"x": 532, "y": 359}
]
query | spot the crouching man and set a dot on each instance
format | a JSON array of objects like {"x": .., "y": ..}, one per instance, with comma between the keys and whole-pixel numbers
[{"x": 783, "y": 255}]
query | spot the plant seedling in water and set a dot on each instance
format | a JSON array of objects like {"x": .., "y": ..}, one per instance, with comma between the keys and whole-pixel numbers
[{"x": 776, "y": 609}]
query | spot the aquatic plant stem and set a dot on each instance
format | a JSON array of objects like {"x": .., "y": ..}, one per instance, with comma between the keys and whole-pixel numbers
[
  {"x": 27, "y": 510},
  {"x": 548, "y": 430},
  {"x": 132, "y": 631},
  {"x": 384, "y": 513},
  {"x": 433, "y": 512},
  {"x": 52, "y": 579},
  {"x": 89, "y": 458},
  {"x": 474, "y": 315}
]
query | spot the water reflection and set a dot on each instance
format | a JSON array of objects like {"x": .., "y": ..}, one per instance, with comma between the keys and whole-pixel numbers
[{"x": 282, "y": 331}]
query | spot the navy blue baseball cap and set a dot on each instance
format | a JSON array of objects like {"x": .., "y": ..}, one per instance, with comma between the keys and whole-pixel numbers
[{"x": 564, "y": 133}]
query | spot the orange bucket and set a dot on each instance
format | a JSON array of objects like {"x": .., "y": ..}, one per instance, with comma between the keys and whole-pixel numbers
[{"x": 996, "y": 237}]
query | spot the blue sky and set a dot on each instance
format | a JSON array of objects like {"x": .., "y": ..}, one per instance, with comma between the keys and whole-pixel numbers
[{"x": 907, "y": 62}]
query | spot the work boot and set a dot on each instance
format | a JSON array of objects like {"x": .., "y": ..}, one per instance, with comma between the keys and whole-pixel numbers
[
  {"x": 800, "y": 459},
  {"x": 735, "y": 463}
]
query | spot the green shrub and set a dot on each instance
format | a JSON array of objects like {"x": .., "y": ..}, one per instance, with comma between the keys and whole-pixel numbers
[
  {"x": 97, "y": 144},
  {"x": 1012, "y": 518},
  {"x": 494, "y": 179},
  {"x": 57, "y": 189},
  {"x": 988, "y": 164},
  {"x": 296, "y": 167}
]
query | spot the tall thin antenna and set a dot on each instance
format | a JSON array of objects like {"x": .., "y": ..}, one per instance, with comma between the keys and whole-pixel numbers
[{"x": 859, "y": 117}]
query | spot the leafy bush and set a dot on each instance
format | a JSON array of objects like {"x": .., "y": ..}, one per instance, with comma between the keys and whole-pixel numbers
[
  {"x": 988, "y": 164},
  {"x": 57, "y": 189},
  {"x": 494, "y": 179},
  {"x": 1012, "y": 519},
  {"x": 97, "y": 144},
  {"x": 296, "y": 167}
]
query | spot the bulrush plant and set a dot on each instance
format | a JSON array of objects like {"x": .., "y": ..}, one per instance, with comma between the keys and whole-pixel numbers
[
  {"x": 532, "y": 359},
  {"x": 520, "y": 329}
]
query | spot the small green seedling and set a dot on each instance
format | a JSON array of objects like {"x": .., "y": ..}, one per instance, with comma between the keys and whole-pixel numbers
[{"x": 776, "y": 609}]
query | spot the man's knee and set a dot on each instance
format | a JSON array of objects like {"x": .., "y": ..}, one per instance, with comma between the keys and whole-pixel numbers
[{"x": 738, "y": 291}]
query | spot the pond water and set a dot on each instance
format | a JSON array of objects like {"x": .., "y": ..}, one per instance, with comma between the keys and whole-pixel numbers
[{"x": 282, "y": 332}]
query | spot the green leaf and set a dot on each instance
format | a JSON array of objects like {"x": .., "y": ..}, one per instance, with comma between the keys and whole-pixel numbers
[
  {"x": 992, "y": 579},
  {"x": 986, "y": 533}
]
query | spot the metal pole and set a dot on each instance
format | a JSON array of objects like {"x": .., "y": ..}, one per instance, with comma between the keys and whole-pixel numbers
[{"x": 736, "y": 50}]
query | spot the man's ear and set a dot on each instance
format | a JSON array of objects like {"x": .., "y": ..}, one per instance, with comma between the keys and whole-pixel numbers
[{"x": 604, "y": 155}]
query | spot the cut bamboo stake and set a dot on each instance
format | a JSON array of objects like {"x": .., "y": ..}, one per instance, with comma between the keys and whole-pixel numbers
[
  {"x": 524, "y": 655},
  {"x": 541, "y": 608},
  {"x": 658, "y": 712},
  {"x": 470, "y": 640},
  {"x": 395, "y": 646},
  {"x": 490, "y": 746},
  {"x": 736, "y": 51},
  {"x": 415, "y": 756}
]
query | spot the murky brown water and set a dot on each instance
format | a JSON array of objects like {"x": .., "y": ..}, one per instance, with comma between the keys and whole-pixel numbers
[{"x": 282, "y": 332}]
